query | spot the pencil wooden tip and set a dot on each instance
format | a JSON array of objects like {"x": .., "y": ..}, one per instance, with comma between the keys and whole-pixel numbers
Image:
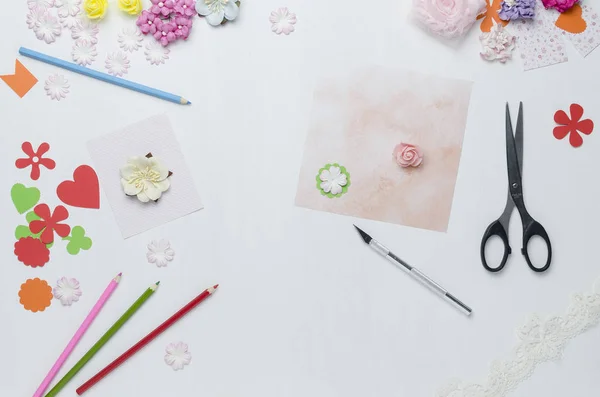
[
  {"x": 184, "y": 101},
  {"x": 154, "y": 286},
  {"x": 213, "y": 288},
  {"x": 118, "y": 277}
]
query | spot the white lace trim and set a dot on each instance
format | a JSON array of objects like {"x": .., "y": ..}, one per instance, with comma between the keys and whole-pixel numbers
[{"x": 539, "y": 341}]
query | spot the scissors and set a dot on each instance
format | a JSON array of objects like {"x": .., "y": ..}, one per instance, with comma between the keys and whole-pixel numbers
[{"x": 514, "y": 164}]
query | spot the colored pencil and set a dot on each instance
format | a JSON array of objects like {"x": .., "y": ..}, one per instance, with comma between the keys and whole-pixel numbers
[
  {"x": 107, "y": 78},
  {"x": 75, "y": 339},
  {"x": 145, "y": 340},
  {"x": 102, "y": 341}
]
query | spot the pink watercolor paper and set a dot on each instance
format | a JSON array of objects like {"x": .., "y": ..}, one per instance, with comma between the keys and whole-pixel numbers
[{"x": 359, "y": 117}]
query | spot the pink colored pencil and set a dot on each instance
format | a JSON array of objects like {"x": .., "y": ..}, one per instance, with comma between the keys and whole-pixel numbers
[{"x": 75, "y": 339}]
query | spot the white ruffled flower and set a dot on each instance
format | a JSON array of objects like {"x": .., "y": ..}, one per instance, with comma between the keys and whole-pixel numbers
[
  {"x": 85, "y": 29},
  {"x": 34, "y": 16},
  {"x": 130, "y": 39},
  {"x": 177, "y": 355},
  {"x": 67, "y": 291},
  {"x": 69, "y": 21},
  {"x": 117, "y": 63},
  {"x": 216, "y": 11},
  {"x": 156, "y": 53},
  {"x": 333, "y": 180},
  {"x": 68, "y": 7},
  {"x": 40, "y": 4},
  {"x": 145, "y": 178},
  {"x": 282, "y": 21},
  {"x": 160, "y": 252},
  {"x": 84, "y": 52},
  {"x": 57, "y": 87},
  {"x": 47, "y": 27},
  {"x": 497, "y": 44}
]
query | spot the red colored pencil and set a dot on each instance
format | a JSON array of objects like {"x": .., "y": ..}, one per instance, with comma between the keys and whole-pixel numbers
[{"x": 145, "y": 340}]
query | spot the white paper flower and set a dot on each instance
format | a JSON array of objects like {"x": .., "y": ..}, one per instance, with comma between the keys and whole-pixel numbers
[
  {"x": 216, "y": 11},
  {"x": 497, "y": 44},
  {"x": 57, "y": 87},
  {"x": 156, "y": 53},
  {"x": 84, "y": 52},
  {"x": 85, "y": 29},
  {"x": 117, "y": 63},
  {"x": 282, "y": 21},
  {"x": 69, "y": 21},
  {"x": 332, "y": 180},
  {"x": 67, "y": 291},
  {"x": 35, "y": 15},
  {"x": 68, "y": 7},
  {"x": 130, "y": 39},
  {"x": 177, "y": 355},
  {"x": 145, "y": 178},
  {"x": 40, "y": 4},
  {"x": 47, "y": 27},
  {"x": 160, "y": 252}
]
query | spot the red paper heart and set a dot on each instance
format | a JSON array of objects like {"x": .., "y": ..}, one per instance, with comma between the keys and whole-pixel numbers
[{"x": 83, "y": 191}]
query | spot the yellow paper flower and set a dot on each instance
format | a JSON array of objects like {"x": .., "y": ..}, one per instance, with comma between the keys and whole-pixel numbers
[
  {"x": 95, "y": 9},
  {"x": 132, "y": 7}
]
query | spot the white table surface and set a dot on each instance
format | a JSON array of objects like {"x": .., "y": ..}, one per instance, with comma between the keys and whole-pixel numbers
[{"x": 304, "y": 308}]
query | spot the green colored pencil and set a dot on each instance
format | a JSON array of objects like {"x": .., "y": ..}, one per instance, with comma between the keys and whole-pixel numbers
[{"x": 102, "y": 341}]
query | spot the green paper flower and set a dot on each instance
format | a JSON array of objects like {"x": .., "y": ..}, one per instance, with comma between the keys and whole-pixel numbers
[
  {"x": 23, "y": 231},
  {"x": 78, "y": 241},
  {"x": 333, "y": 180}
]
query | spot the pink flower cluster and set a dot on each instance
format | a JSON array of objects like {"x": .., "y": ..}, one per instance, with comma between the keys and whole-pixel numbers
[
  {"x": 560, "y": 5},
  {"x": 168, "y": 20}
]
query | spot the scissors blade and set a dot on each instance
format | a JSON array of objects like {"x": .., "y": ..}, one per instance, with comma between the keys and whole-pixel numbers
[
  {"x": 512, "y": 162},
  {"x": 519, "y": 137}
]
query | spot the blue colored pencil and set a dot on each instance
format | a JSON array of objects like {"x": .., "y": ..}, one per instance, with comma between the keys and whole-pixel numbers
[{"x": 107, "y": 78}]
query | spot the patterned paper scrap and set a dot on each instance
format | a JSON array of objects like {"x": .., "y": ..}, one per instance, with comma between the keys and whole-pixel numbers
[{"x": 580, "y": 25}]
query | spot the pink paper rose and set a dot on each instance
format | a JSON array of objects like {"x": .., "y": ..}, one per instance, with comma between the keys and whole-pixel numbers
[
  {"x": 407, "y": 155},
  {"x": 448, "y": 18},
  {"x": 560, "y": 5}
]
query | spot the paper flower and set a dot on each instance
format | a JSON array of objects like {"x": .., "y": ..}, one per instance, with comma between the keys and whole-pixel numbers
[
  {"x": 147, "y": 22},
  {"x": 35, "y": 295},
  {"x": 333, "y": 180},
  {"x": 131, "y": 7},
  {"x": 572, "y": 126},
  {"x": 165, "y": 32},
  {"x": 35, "y": 15},
  {"x": 217, "y": 11},
  {"x": 117, "y": 63},
  {"x": 497, "y": 44},
  {"x": 156, "y": 53},
  {"x": 407, "y": 155},
  {"x": 47, "y": 27},
  {"x": 69, "y": 21},
  {"x": 49, "y": 223},
  {"x": 177, "y": 355},
  {"x": 186, "y": 8},
  {"x": 87, "y": 30},
  {"x": 84, "y": 52},
  {"x": 447, "y": 18},
  {"x": 282, "y": 21},
  {"x": 95, "y": 9},
  {"x": 162, "y": 7},
  {"x": 130, "y": 39},
  {"x": 32, "y": 252},
  {"x": 560, "y": 5},
  {"x": 67, "y": 291},
  {"x": 68, "y": 7},
  {"x": 57, "y": 87},
  {"x": 43, "y": 4},
  {"x": 78, "y": 241},
  {"x": 145, "y": 178},
  {"x": 517, "y": 9},
  {"x": 183, "y": 27},
  {"x": 22, "y": 231},
  {"x": 160, "y": 252},
  {"x": 35, "y": 159}
]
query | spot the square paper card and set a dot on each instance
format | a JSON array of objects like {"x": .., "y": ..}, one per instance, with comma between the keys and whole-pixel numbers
[
  {"x": 358, "y": 119},
  {"x": 154, "y": 135}
]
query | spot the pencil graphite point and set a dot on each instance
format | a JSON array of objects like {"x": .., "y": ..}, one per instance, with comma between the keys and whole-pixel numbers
[
  {"x": 158, "y": 282},
  {"x": 118, "y": 277}
]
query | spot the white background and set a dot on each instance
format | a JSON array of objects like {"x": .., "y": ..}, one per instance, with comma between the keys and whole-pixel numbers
[{"x": 304, "y": 306}]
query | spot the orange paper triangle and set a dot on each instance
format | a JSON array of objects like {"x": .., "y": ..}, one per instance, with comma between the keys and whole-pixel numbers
[
  {"x": 20, "y": 82},
  {"x": 571, "y": 20}
]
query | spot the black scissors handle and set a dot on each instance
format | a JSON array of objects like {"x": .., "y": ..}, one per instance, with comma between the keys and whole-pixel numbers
[
  {"x": 530, "y": 229},
  {"x": 496, "y": 229}
]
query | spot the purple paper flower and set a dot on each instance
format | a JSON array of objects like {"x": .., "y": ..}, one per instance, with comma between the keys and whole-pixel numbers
[
  {"x": 517, "y": 9},
  {"x": 185, "y": 7},
  {"x": 165, "y": 32},
  {"x": 162, "y": 7},
  {"x": 147, "y": 22},
  {"x": 184, "y": 25}
]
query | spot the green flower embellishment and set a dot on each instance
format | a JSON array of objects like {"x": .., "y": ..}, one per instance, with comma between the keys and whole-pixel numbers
[
  {"x": 333, "y": 180},
  {"x": 78, "y": 241},
  {"x": 23, "y": 231}
]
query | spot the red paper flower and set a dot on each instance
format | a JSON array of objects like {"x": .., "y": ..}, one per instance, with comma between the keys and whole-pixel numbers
[
  {"x": 32, "y": 252},
  {"x": 35, "y": 159},
  {"x": 50, "y": 223},
  {"x": 573, "y": 125}
]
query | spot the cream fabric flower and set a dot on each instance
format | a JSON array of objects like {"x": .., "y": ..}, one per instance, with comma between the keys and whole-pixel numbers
[
  {"x": 216, "y": 11},
  {"x": 145, "y": 178}
]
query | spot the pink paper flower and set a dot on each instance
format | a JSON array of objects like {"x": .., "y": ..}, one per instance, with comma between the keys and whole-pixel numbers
[
  {"x": 407, "y": 155},
  {"x": 447, "y": 18},
  {"x": 187, "y": 8},
  {"x": 162, "y": 7},
  {"x": 560, "y": 5},
  {"x": 184, "y": 25},
  {"x": 147, "y": 22},
  {"x": 165, "y": 32}
]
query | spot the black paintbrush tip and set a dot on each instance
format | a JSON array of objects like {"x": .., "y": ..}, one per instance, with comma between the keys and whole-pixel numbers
[{"x": 364, "y": 235}]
